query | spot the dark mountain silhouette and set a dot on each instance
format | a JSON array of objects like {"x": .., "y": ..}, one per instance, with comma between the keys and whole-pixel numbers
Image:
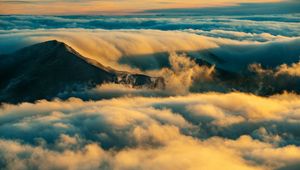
[{"x": 43, "y": 70}]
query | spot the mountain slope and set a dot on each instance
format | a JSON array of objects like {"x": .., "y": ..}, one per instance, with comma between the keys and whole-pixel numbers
[{"x": 43, "y": 70}]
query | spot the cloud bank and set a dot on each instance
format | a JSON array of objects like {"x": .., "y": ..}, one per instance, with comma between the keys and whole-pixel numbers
[
  {"x": 133, "y": 47},
  {"x": 198, "y": 131},
  {"x": 187, "y": 61},
  {"x": 274, "y": 24}
]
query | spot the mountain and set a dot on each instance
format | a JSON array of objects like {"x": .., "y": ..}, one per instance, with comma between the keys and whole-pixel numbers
[{"x": 43, "y": 70}]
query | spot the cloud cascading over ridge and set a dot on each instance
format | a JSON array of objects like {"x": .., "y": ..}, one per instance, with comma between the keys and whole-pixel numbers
[
  {"x": 113, "y": 46},
  {"x": 157, "y": 53}
]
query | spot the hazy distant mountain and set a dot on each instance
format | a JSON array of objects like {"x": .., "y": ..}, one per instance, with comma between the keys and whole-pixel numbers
[{"x": 43, "y": 70}]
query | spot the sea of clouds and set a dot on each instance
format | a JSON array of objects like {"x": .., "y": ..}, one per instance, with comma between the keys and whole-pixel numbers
[
  {"x": 197, "y": 131},
  {"x": 188, "y": 125}
]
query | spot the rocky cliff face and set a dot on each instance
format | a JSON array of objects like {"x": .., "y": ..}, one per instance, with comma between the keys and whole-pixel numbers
[{"x": 139, "y": 80}]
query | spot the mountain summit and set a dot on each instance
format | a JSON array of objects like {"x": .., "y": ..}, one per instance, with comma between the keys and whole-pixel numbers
[{"x": 44, "y": 70}]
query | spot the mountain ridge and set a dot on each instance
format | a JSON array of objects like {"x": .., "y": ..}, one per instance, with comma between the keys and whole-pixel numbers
[{"x": 43, "y": 70}]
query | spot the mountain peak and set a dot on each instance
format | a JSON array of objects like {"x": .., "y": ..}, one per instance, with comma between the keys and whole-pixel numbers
[
  {"x": 52, "y": 42},
  {"x": 47, "y": 45},
  {"x": 44, "y": 70},
  {"x": 56, "y": 44}
]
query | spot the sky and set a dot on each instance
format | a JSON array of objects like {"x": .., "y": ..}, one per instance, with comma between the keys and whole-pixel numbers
[{"x": 48, "y": 7}]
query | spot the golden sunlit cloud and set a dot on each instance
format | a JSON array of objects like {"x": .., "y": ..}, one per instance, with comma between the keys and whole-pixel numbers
[
  {"x": 143, "y": 136},
  {"x": 109, "y": 6}
]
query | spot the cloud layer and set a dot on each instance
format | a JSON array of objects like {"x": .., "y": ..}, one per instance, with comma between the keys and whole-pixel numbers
[
  {"x": 133, "y": 47},
  {"x": 199, "y": 131},
  {"x": 187, "y": 61},
  {"x": 281, "y": 25}
]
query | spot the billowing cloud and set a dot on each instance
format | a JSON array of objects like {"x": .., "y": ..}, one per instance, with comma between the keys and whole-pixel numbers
[
  {"x": 293, "y": 70},
  {"x": 150, "y": 49},
  {"x": 198, "y": 131},
  {"x": 112, "y": 47},
  {"x": 187, "y": 61}
]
